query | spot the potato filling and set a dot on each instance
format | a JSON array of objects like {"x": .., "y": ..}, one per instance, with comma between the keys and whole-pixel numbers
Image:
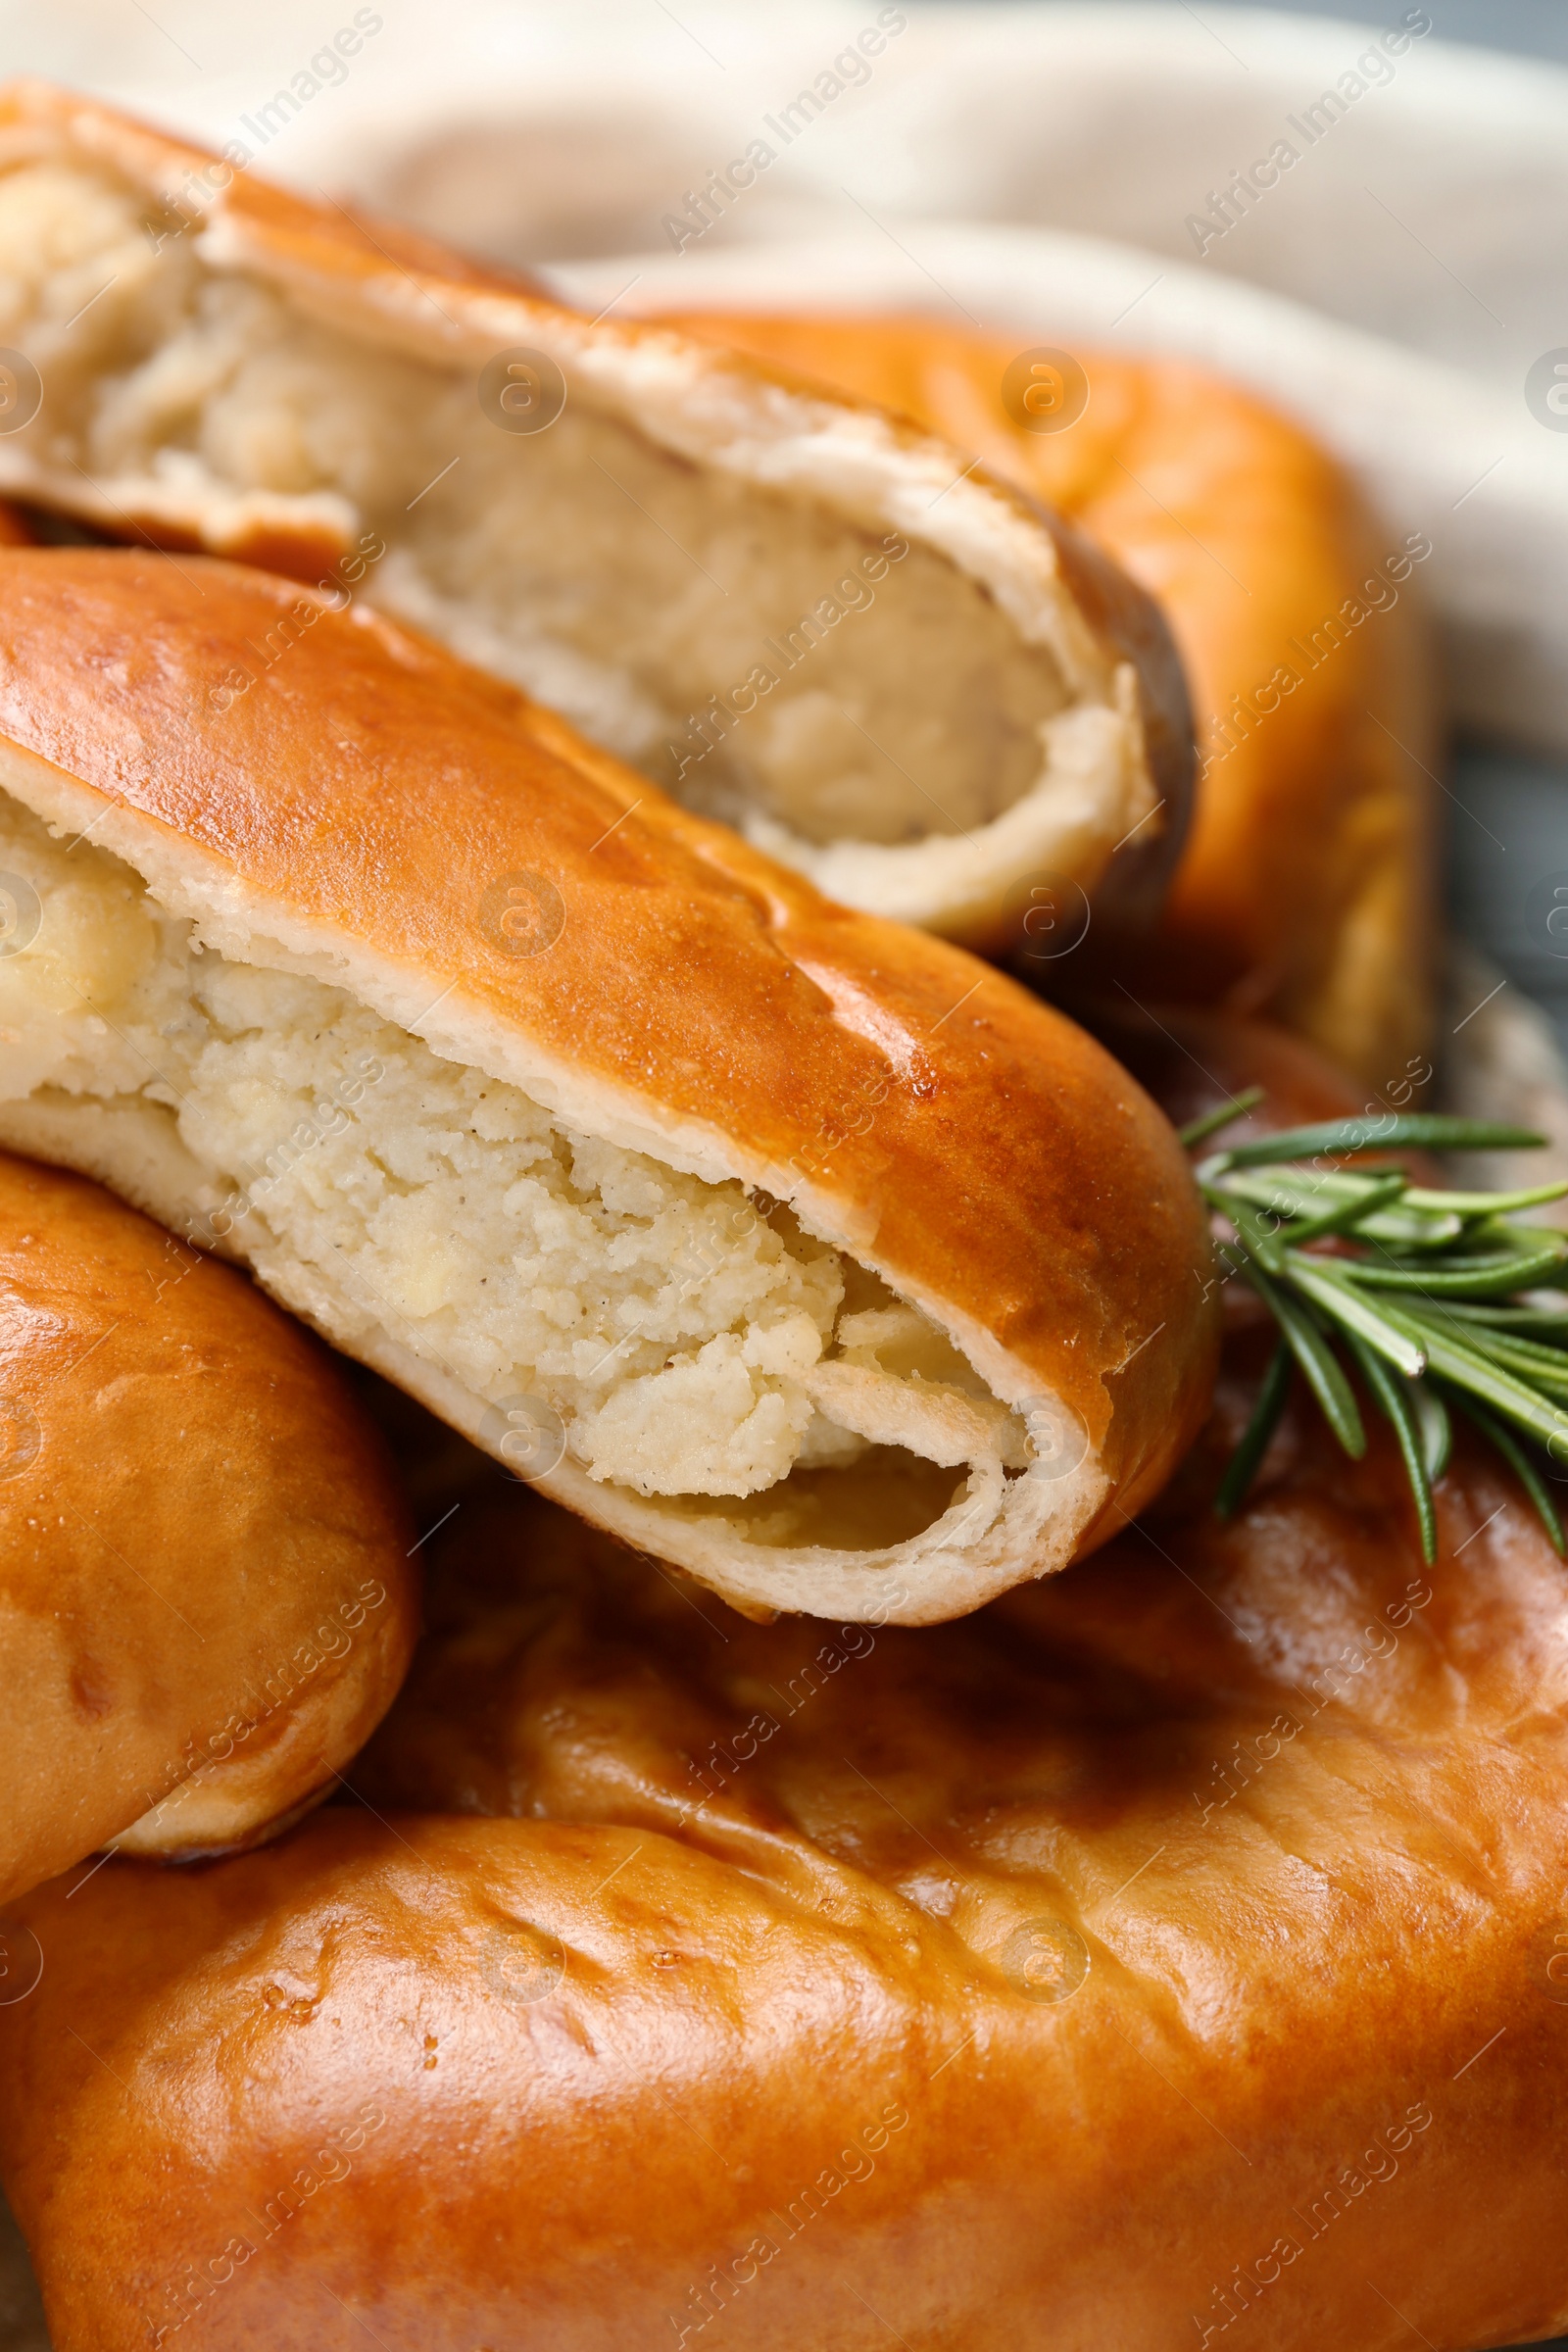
[{"x": 689, "y": 1343}]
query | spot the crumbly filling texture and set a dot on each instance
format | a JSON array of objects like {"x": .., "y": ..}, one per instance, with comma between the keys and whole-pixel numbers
[
  {"x": 764, "y": 659},
  {"x": 689, "y": 1343}
]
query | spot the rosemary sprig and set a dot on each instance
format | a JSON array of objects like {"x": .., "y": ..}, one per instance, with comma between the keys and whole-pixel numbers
[{"x": 1432, "y": 1296}]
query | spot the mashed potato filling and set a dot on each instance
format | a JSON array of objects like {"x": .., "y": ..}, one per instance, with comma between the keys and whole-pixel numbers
[{"x": 689, "y": 1343}]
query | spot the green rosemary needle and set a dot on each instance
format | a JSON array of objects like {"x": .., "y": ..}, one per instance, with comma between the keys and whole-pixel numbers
[{"x": 1435, "y": 1297}]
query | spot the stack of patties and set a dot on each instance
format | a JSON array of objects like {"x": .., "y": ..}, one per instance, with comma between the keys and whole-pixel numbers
[{"x": 770, "y": 1913}]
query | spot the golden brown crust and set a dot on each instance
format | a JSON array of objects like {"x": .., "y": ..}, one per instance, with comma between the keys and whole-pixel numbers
[
  {"x": 761, "y": 430},
  {"x": 799, "y": 1909},
  {"x": 1306, "y": 887},
  {"x": 191, "y": 1511},
  {"x": 362, "y": 798}
]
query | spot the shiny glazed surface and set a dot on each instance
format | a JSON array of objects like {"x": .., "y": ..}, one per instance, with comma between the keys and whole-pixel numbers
[{"x": 203, "y": 1549}]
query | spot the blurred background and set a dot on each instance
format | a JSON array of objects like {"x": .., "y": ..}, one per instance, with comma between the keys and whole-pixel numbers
[{"x": 1057, "y": 171}]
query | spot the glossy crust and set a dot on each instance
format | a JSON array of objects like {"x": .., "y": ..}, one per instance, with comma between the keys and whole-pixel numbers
[
  {"x": 1170, "y": 1944},
  {"x": 350, "y": 814},
  {"x": 1307, "y": 885},
  {"x": 205, "y": 1601},
  {"x": 752, "y": 434}
]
